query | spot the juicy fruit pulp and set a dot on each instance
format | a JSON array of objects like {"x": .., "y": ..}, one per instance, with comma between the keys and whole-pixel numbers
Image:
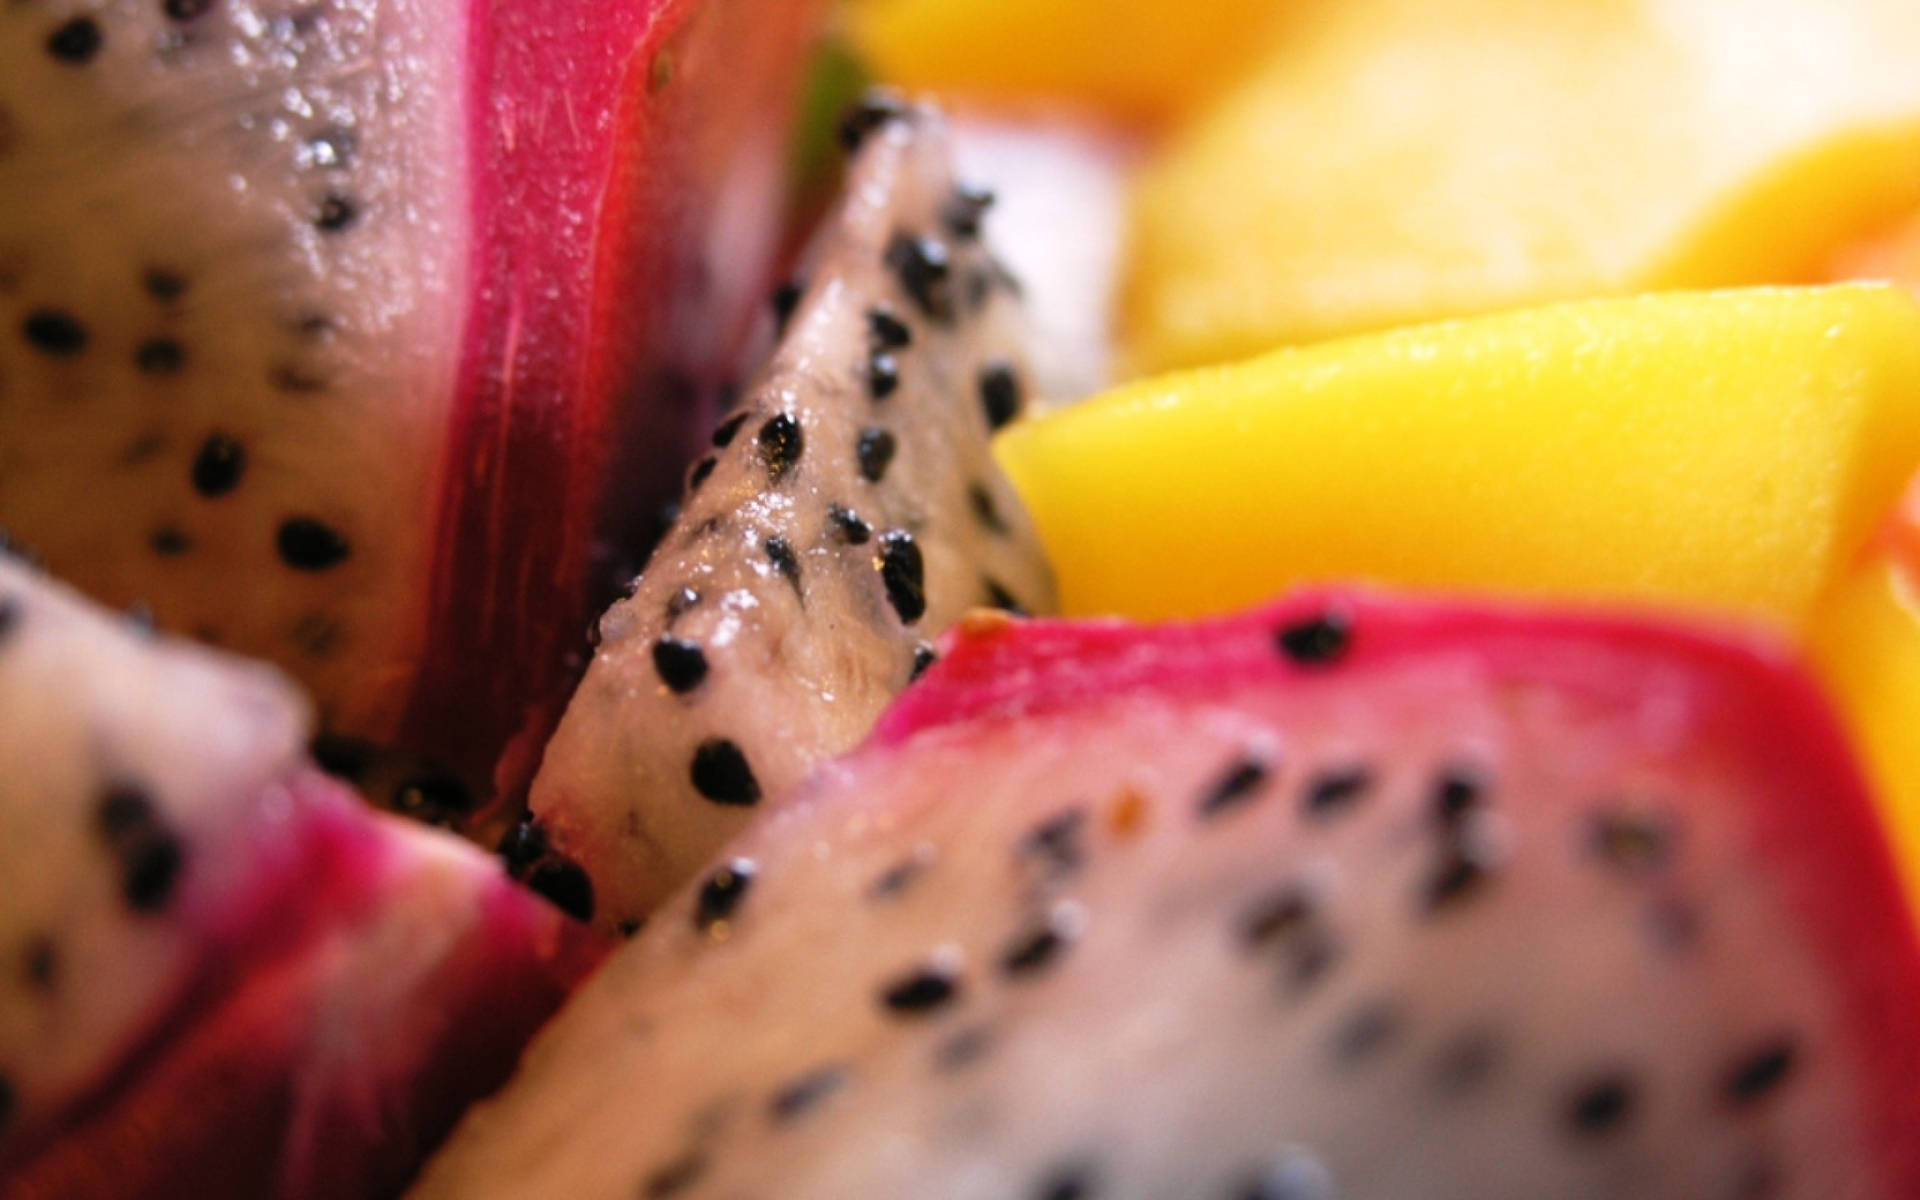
[
  {"x": 354, "y": 335},
  {"x": 230, "y": 978},
  {"x": 1727, "y": 453},
  {"x": 1405, "y": 160},
  {"x": 849, "y": 511},
  {"x": 1389, "y": 898},
  {"x": 1138, "y": 62}
]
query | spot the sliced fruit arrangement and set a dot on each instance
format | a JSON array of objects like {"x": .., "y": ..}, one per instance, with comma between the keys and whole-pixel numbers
[
  {"x": 1142, "y": 63},
  {"x": 1725, "y": 453},
  {"x": 357, "y": 336},
  {"x": 849, "y": 511},
  {"x": 226, "y": 976},
  {"x": 1403, "y": 160},
  {"x": 1348, "y": 896}
]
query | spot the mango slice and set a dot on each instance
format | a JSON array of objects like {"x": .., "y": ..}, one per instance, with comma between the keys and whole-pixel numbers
[
  {"x": 1865, "y": 644},
  {"x": 1143, "y": 62},
  {"x": 1405, "y": 160},
  {"x": 1724, "y": 453}
]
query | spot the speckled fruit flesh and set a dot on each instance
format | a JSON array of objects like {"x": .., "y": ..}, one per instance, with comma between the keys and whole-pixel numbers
[
  {"x": 361, "y": 335},
  {"x": 1351, "y": 895}
]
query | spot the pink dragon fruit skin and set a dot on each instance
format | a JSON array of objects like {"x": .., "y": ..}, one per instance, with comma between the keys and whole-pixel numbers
[
  {"x": 848, "y": 511},
  {"x": 366, "y": 335},
  {"x": 1351, "y": 896},
  {"x": 231, "y": 977}
]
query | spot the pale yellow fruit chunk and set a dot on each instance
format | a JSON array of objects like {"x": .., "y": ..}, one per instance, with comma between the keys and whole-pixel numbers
[
  {"x": 1136, "y": 60},
  {"x": 1719, "y": 452},
  {"x": 1407, "y": 160}
]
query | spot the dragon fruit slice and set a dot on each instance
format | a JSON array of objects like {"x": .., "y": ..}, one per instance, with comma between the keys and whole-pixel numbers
[
  {"x": 226, "y": 976},
  {"x": 1349, "y": 897},
  {"x": 355, "y": 334},
  {"x": 849, "y": 512}
]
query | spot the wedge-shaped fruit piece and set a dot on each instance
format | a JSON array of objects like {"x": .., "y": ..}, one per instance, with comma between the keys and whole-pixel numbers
[
  {"x": 1347, "y": 897},
  {"x": 1403, "y": 160},
  {"x": 224, "y": 975},
  {"x": 1719, "y": 452}
]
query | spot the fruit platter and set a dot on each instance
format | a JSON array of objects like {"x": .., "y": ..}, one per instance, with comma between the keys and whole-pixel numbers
[{"x": 844, "y": 599}]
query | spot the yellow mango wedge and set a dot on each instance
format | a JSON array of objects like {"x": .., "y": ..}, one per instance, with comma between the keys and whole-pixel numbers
[
  {"x": 1135, "y": 60},
  {"x": 1408, "y": 160},
  {"x": 1865, "y": 643},
  {"x": 1722, "y": 453}
]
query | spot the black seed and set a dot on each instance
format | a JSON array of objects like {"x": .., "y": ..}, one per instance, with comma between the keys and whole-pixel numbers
[
  {"x": 903, "y": 572},
  {"x": 924, "y": 656},
  {"x": 315, "y": 326},
  {"x": 565, "y": 883},
  {"x": 853, "y": 530},
  {"x": 875, "y": 452},
  {"x": 786, "y": 298},
  {"x": 964, "y": 210},
  {"x": 1460, "y": 873},
  {"x": 780, "y": 442},
  {"x": 170, "y": 541},
  {"x": 1276, "y": 916},
  {"x": 631, "y": 927},
  {"x": 1000, "y": 394},
  {"x": 306, "y": 544},
  {"x": 1601, "y": 1105},
  {"x": 675, "y": 1177},
  {"x": 9, "y": 615},
  {"x": 721, "y": 774},
  {"x": 1457, "y": 793},
  {"x": 780, "y": 553},
  {"x": 1240, "y": 783},
  {"x": 163, "y": 284},
  {"x": 1761, "y": 1071},
  {"x": 124, "y": 811},
  {"x": 1318, "y": 641},
  {"x": 888, "y": 330},
  {"x": 1040, "y": 943},
  {"x": 522, "y": 846},
  {"x": 897, "y": 878},
  {"x": 295, "y": 380},
  {"x": 42, "y": 962},
  {"x": 700, "y": 471},
  {"x": 723, "y": 433},
  {"x": 337, "y": 213},
  {"x": 1365, "y": 1033},
  {"x": 1632, "y": 842},
  {"x": 681, "y": 664},
  {"x": 722, "y": 893},
  {"x": 805, "y": 1093},
  {"x": 921, "y": 991},
  {"x": 924, "y": 269},
  {"x": 219, "y": 465},
  {"x": 160, "y": 356},
  {"x": 150, "y": 868},
  {"x": 1334, "y": 791},
  {"x": 1076, "y": 1182},
  {"x": 433, "y": 798},
  {"x": 997, "y": 596},
  {"x": 681, "y": 600},
  {"x": 1057, "y": 844},
  {"x": 1310, "y": 955},
  {"x": 77, "y": 41},
  {"x": 883, "y": 375},
  {"x": 878, "y": 107},
  {"x": 185, "y": 10},
  {"x": 1465, "y": 1063},
  {"x": 963, "y": 1049},
  {"x": 52, "y": 331},
  {"x": 985, "y": 510}
]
